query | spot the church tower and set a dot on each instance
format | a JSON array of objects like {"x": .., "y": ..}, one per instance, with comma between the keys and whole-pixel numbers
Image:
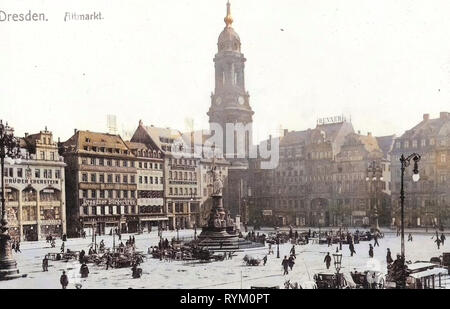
[{"x": 230, "y": 101}]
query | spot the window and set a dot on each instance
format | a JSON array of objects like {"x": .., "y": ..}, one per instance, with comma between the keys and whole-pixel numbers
[
  {"x": 156, "y": 180},
  {"x": 145, "y": 165},
  {"x": 125, "y": 163},
  {"x": 84, "y": 177},
  {"x": 117, "y": 178},
  {"x": 57, "y": 174},
  {"x": 109, "y": 162},
  {"x": 125, "y": 178},
  {"x": 52, "y": 156},
  {"x": 37, "y": 173},
  {"x": 170, "y": 191},
  {"x": 42, "y": 155},
  {"x": 92, "y": 161},
  {"x": 151, "y": 180},
  {"x": 93, "y": 177},
  {"x": 94, "y": 210},
  {"x": 19, "y": 173},
  {"x": 93, "y": 194},
  {"x": 101, "y": 161},
  {"x": 133, "y": 194},
  {"x": 132, "y": 179},
  {"x": 110, "y": 178},
  {"x": 125, "y": 194},
  {"x": 102, "y": 193},
  {"x": 140, "y": 179},
  {"x": 102, "y": 178},
  {"x": 140, "y": 164},
  {"x": 84, "y": 194},
  {"x": 414, "y": 144}
]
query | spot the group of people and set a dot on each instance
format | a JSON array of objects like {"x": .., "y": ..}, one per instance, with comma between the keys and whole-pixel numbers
[{"x": 16, "y": 246}]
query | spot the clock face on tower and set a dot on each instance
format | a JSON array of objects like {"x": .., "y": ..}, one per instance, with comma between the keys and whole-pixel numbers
[
  {"x": 218, "y": 100},
  {"x": 241, "y": 100}
]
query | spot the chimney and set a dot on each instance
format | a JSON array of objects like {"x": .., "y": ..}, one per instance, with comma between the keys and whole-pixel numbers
[
  {"x": 443, "y": 115},
  {"x": 285, "y": 132},
  {"x": 26, "y": 134},
  {"x": 74, "y": 131},
  {"x": 426, "y": 117}
]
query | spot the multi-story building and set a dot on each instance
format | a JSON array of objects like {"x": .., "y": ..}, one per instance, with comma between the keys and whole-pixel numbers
[
  {"x": 150, "y": 185},
  {"x": 427, "y": 202},
  {"x": 35, "y": 189},
  {"x": 181, "y": 174},
  {"x": 101, "y": 183}
]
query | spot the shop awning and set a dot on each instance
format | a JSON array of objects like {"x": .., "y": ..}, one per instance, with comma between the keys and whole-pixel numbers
[{"x": 154, "y": 219}]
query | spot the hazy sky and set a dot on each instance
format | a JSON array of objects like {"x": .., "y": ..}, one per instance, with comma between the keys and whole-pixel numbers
[{"x": 383, "y": 62}]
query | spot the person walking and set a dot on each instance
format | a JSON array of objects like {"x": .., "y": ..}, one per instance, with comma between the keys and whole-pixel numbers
[
  {"x": 62, "y": 248},
  {"x": 375, "y": 240},
  {"x": 81, "y": 256},
  {"x": 293, "y": 251},
  {"x": 327, "y": 260},
  {"x": 442, "y": 239},
  {"x": 18, "y": 247},
  {"x": 389, "y": 259},
  {"x": 410, "y": 238},
  {"x": 438, "y": 242},
  {"x": 265, "y": 260},
  {"x": 64, "y": 280},
  {"x": 370, "y": 250},
  {"x": 45, "y": 264},
  {"x": 84, "y": 271},
  {"x": 285, "y": 264},
  {"x": 291, "y": 262},
  {"x": 351, "y": 246}
]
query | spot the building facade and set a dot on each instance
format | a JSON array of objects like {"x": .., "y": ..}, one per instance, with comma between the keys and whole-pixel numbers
[
  {"x": 181, "y": 174},
  {"x": 150, "y": 186},
  {"x": 35, "y": 189},
  {"x": 101, "y": 186},
  {"x": 427, "y": 202}
]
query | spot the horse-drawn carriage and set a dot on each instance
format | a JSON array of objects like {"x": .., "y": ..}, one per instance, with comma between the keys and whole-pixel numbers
[
  {"x": 251, "y": 261},
  {"x": 333, "y": 281},
  {"x": 368, "y": 279}
]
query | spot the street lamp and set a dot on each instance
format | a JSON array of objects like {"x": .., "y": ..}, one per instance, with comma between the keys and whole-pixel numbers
[
  {"x": 9, "y": 149},
  {"x": 337, "y": 257},
  {"x": 405, "y": 162},
  {"x": 278, "y": 246},
  {"x": 374, "y": 176}
]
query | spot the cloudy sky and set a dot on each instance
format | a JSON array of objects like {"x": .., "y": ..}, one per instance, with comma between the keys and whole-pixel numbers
[{"x": 382, "y": 62}]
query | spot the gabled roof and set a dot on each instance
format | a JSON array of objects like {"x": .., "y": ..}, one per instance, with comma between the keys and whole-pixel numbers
[{"x": 428, "y": 127}]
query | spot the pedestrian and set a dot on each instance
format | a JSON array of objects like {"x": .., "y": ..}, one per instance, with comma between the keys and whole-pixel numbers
[
  {"x": 351, "y": 246},
  {"x": 375, "y": 239},
  {"x": 270, "y": 248},
  {"x": 389, "y": 259},
  {"x": 108, "y": 261},
  {"x": 265, "y": 260},
  {"x": 410, "y": 238},
  {"x": 442, "y": 239},
  {"x": 45, "y": 264},
  {"x": 285, "y": 264},
  {"x": 370, "y": 250},
  {"x": 340, "y": 244},
  {"x": 64, "y": 280},
  {"x": 291, "y": 262},
  {"x": 18, "y": 247},
  {"x": 293, "y": 251},
  {"x": 84, "y": 270},
  {"x": 438, "y": 242},
  {"x": 13, "y": 245},
  {"x": 62, "y": 248},
  {"x": 327, "y": 260}
]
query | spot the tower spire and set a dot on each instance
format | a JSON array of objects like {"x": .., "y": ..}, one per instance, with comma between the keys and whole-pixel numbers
[{"x": 228, "y": 19}]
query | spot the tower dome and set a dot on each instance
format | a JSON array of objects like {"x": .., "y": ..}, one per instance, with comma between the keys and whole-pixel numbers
[{"x": 228, "y": 39}]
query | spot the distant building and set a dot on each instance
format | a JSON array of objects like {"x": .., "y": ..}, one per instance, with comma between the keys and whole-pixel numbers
[
  {"x": 101, "y": 184},
  {"x": 35, "y": 189},
  {"x": 427, "y": 202}
]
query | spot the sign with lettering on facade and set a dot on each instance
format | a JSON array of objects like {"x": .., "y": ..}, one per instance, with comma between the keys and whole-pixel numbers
[
  {"x": 331, "y": 120},
  {"x": 267, "y": 212},
  {"x": 31, "y": 181},
  {"x": 107, "y": 202}
]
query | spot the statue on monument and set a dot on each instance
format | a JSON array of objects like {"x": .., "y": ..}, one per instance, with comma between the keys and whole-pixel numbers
[{"x": 217, "y": 182}]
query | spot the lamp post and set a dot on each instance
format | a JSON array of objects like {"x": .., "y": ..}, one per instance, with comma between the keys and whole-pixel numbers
[
  {"x": 278, "y": 246},
  {"x": 10, "y": 149},
  {"x": 374, "y": 177},
  {"x": 405, "y": 162},
  {"x": 337, "y": 257}
]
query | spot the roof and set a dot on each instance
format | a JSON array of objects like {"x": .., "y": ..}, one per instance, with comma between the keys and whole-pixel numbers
[
  {"x": 429, "y": 272},
  {"x": 83, "y": 139},
  {"x": 430, "y": 127}
]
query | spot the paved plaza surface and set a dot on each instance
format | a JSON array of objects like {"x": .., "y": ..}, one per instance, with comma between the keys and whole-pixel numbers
[{"x": 228, "y": 274}]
